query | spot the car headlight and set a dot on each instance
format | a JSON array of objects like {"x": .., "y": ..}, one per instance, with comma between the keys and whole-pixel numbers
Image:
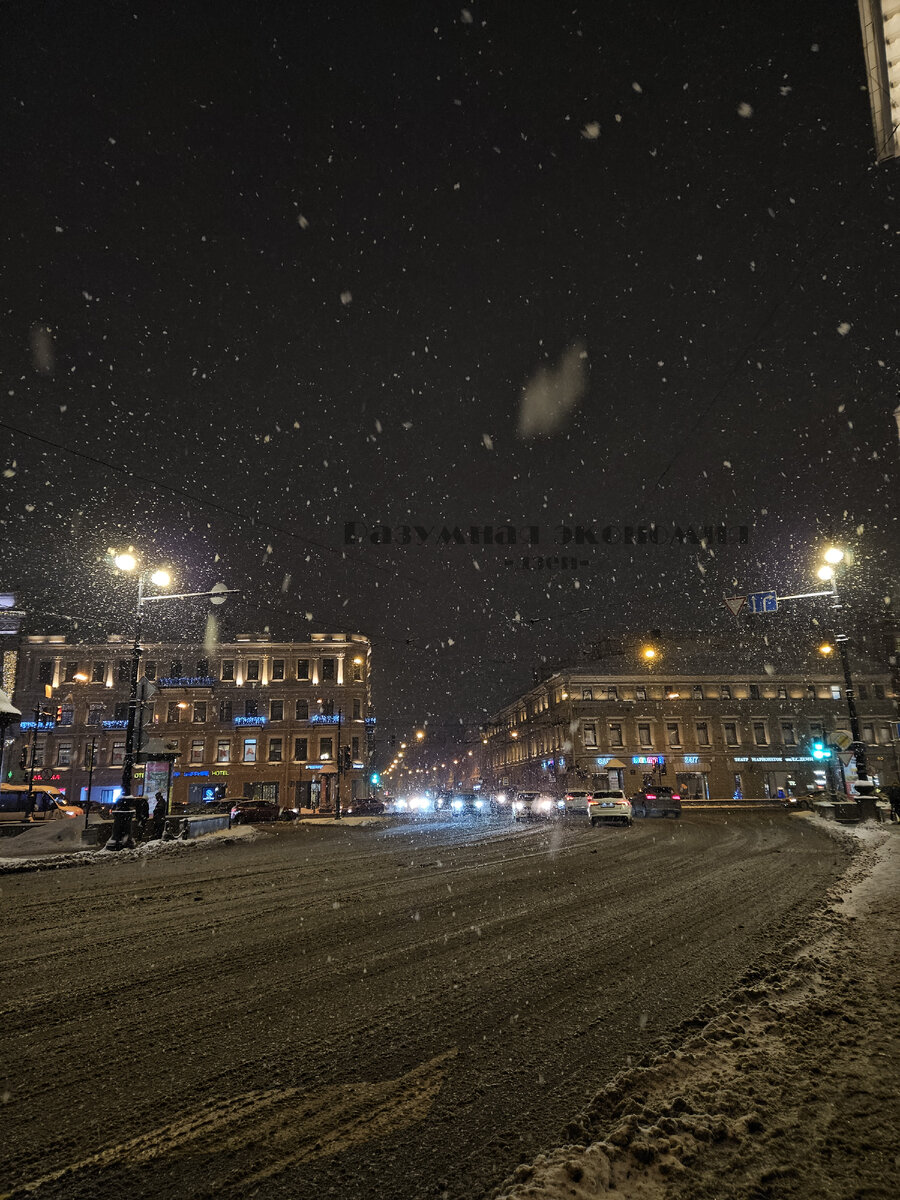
[
  {"x": 546, "y": 805},
  {"x": 500, "y": 797},
  {"x": 479, "y": 804},
  {"x": 560, "y": 804},
  {"x": 456, "y": 805},
  {"x": 517, "y": 806}
]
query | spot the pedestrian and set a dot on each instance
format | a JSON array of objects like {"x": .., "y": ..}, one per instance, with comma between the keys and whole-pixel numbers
[
  {"x": 893, "y": 794},
  {"x": 161, "y": 808}
]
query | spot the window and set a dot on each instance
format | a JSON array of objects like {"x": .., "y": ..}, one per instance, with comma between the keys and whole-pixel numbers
[
  {"x": 149, "y": 713},
  {"x": 328, "y": 670},
  {"x": 223, "y": 750},
  {"x": 276, "y": 710},
  {"x": 884, "y": 735},
  {"x": 251, "y": 707},
  {"x": 303, "y": 668},
  {"x": 252, "y": 674},
  {"x": 123, "y": 670},
  {"x": 731, "y": 733},
  {"x": 226, "y": 710},
  {"x": 202, "y": 667},
  {"x": 95, "y": 714},
  {"x": 587, "y": 693},
  {"x": 878, "y": 691},
  {"x": 357, "y": 710},
  {"x": 173, "y": 713},
  {"x": 70, "y": 672},
  {"x": 782, "y": 692},
  {"x": 227, "y": 674},
  {"x": 725, "y": 691},
  {"x": 615, "y": 734},
  {"x": 754, "y": 691},
  {"x": 275, "y": 749},
  {"x": 326, "y": 748},
  {"x": 868, "y": 734},
  {"x": 590, "y": 735},
  {"x": 117, "y": 757},
  {"x": 45, "y": 670},
  {"x": 277, "y": 668},
  {"x": 120, "y": 711},
  {"x": 811, "y": 693},
  {"x": 38, "y": 757},
  {"x": 673, "y": 733},
  {"x": 150, "y": 668},
  {"x": 702, "y": 733},
  {"x": 760, "y": 736},
  {"x": 90, "y": 755},
  {"x": 175, "y": 668},
  {"x": 66, "y": 714},
  {"x": 862, "y": 691},
  {"x": 63, "y": 754},
  {"x": 197, "y": 750},
  {"x": 354, "y": 748},
  {"x": 697, "y": 692},
  {"x": 199, "y": 712},
  {"x": 788, "y": 735},
  {"x": 817, "y": 730},
  {"x": 612, "y": 693},
  {"x": 357, "y": 672},
  {"x": 301, "y": 710},
  {"x": 98, "y": 672},
  {"x": 645, "y": 737},
  {"x": 326, "y": 708},
  {"x": 300, "y": 752},
  {"x": 640, "y": 693},
  {"x": 835, "y": 692},
  {"x": 250, "y": 750}
]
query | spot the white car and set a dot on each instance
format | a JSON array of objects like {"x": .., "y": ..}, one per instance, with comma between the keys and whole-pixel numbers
[
  {"x": 576, "y": 802},
  {"x": 612, "y": 807},
  {"x": 535, "y": 806}
]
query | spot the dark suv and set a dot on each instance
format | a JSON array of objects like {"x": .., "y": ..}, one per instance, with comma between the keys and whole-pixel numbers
[{"x": 657, "y": 802}]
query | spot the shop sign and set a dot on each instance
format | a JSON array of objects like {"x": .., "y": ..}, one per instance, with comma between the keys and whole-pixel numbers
[
  {"x": 648, "y": 760},
  {"x": 249, "y": 720},
  {"x": 225, "y": 773},
  {"x": 691, "y": 760},
  {"x": 193, "y": 774}
]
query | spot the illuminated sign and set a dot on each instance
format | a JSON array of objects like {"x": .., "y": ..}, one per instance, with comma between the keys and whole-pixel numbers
[
  {"x": 219, "y": 773},
  {"x": 324, "y": 719},
  {"x": 194, "y": 774},
  {"x": 648, "y": 760},
  {"x": 691, "y": 760},
  {"x": 37, "y": 724},
  {"x": 249, "y": 720},
  {"x": 186, "y": 681},
  {"x": 114, "y": 724}
]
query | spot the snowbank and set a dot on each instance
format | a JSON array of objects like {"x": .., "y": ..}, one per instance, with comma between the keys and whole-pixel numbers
[{"x": 790, "y": 1087}]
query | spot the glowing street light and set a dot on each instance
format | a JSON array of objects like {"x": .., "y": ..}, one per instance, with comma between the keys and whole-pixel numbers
[
  {"x": 833, "y": 555},
  {"x": 420, "y": 735},
  {"x": 826, "y": 648}
]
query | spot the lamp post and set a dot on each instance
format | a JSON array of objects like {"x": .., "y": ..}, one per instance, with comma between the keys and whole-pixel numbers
[
  {"x": 160, "y": 578},
  {"x": 827, "y": 573}
]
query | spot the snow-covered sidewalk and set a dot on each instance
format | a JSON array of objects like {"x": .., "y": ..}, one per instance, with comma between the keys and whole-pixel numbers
[{"x": 790, "y": 1088}]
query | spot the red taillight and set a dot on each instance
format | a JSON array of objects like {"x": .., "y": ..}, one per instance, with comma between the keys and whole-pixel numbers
[
  {"x": 676, "y": 797},
  {"x": 650, "y": 797}
]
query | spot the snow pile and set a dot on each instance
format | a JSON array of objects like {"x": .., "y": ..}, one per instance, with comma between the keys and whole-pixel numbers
[
  {"x": 790, "y": 1088},
  {"x": 54, "y": 859}
]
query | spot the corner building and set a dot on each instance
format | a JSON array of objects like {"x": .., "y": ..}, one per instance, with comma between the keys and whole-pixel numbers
[
  {"x": 691, "y": 725},
  {"x": 256, "y": 718}
]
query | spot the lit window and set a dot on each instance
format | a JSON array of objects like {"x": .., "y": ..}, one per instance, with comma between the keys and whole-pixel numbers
[
  {"x": 835, "y": 692},
  {"x": 199, "y": 712},
  {"x": 702, "y": 733},
  {"x": 197, "y": 750},
  {"x": 326, "y": 748},
  {"x": 645, "y": 737},
  {"x": 640, "y": 693},
  {"x": 223, "y": 751},
  {"x": 782, "y": 693},
  {"x": 250, "y": 750},
  {"x": 590, "y": 735},
  {"x": 587, "y": 693},
  {"x": 673, "y": 733},
  {"x": 117, "y": 757}
]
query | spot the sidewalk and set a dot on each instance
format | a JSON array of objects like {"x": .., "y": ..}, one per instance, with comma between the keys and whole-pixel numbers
[{"x": 791, "y": 1088}]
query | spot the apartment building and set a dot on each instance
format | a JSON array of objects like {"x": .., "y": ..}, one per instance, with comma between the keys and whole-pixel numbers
[{"x": 253, "y": 717}]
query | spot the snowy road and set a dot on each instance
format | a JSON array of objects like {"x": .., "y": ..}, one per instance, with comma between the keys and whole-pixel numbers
[{"x": 365, "y": 1012}]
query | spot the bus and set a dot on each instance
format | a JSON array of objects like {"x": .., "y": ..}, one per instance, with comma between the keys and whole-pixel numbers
[{"x": 49, "y": 803}]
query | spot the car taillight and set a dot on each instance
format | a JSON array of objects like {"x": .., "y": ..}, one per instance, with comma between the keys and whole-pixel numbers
[
  {"x": 676, "y": 797},
  {"x": 650, "y": 796}
]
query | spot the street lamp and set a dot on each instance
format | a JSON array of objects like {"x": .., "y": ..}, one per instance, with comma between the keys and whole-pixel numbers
[{"x": 827, "y": 572}]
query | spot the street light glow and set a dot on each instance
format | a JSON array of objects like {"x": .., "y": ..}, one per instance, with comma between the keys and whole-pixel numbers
[
  {"x": 161, "y": 578},
  {"x": 834, "y": 555},
  {"x": 648, "y": 652},
  {"x": 826, "y": 649},
  {"x": 825, "y": 573},
  {"x": 420, "y": 734},
  {"x": 125, "y": 562}
]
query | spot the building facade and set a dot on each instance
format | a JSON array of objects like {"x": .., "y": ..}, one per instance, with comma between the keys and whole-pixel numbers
[
  {"x": 710, "y": 735},
  {"x": 253, "y": 718}
]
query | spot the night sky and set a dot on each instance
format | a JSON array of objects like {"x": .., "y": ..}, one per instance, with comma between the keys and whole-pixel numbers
[{"x": 271, "y": 268}]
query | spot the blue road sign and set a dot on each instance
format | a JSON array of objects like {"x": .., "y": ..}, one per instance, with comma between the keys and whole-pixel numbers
[{"x": 762, "y": 602}]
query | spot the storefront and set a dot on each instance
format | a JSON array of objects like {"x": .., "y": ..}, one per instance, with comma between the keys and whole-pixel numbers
[{"x": 784, "y": 777}]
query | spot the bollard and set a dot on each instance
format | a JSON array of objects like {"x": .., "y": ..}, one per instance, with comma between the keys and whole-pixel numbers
[{"x": 121, "y": 831}]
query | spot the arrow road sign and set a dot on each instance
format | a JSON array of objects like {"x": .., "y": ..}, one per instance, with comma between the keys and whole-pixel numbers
[
  {"x": 735, "y": 603},
  {"x": 762, "y": 602}
]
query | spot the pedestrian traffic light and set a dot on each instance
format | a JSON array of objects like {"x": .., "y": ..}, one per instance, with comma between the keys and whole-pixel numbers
[
  {"x": 375, "y": 778},
  {"x": 820, "y": 750}
]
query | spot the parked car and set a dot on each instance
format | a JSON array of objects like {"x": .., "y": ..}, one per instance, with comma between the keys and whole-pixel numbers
[
  {"x": 365, "y": 808},
  {"x": 610, "y": 807},
  {"x": 254, "y": 812},
  {"x": 535, "y": 806},
  {"x": 577, "y": 802},
  {"x": 657, "y": 802}
]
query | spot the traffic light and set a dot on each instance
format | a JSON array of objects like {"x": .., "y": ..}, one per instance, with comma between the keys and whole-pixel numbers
[
  {"x": 820, "y": 750},
  {"x": 346, "y": 758},
  {"x": 375, "y": 778}
]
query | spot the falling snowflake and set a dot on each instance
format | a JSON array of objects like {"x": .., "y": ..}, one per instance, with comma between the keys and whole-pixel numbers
[
  {"x": 346, "y": 298},
  {"x": 744, "y": 109},
  {"x": 488, "y": 441},
  {"x": 844, "y": 328},
  {"x": 591, "y": 131}
]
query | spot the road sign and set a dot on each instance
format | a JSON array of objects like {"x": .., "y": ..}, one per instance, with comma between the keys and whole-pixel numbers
[
  {"x": 735, "y": 603},
  {"x": 846, "y": 759},
  {"x": 842, "y": 739},
  {"x": 762, "y": 602},
  {"x": 218, "y": 592}
]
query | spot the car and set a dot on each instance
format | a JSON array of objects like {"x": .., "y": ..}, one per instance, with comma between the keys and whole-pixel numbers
[
  {"x": 468, "y": 804},
  {"x": 365, "y": 808},
  {"x": 657, "y": 802},
  {"x": 254, "y": 812},
  {"x": 535, "y": 806},
  {"x": 48, "y": 804},
  {"x": 610, "y": 807},
  {"x": 577, "y": 802}
]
